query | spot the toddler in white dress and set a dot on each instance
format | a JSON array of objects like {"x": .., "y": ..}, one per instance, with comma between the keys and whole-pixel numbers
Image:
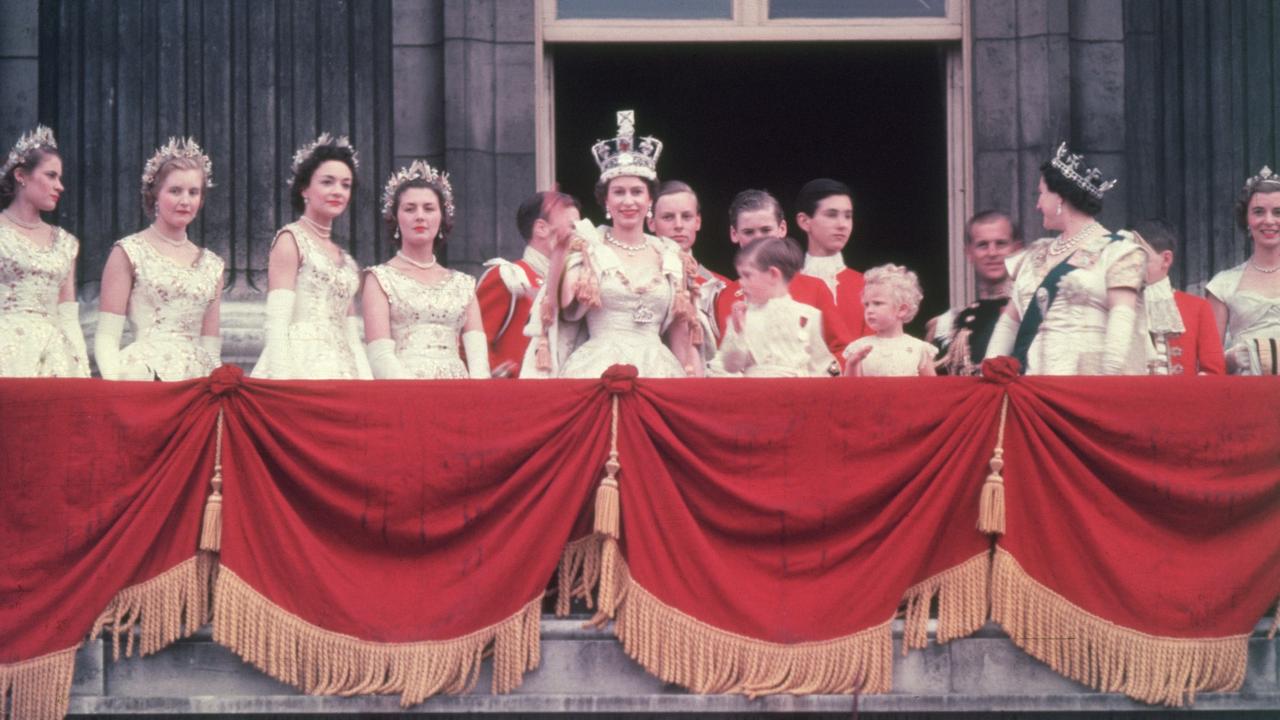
[
  {"x": 891, "y": 297},
  {"x": 771, "y": 335}
]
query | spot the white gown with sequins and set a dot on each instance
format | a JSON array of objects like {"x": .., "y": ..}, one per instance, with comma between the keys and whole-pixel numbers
[
  {"x": 1251, "y": 317},
  {"x": 317, "y": 339},
  {"x": 166, "y": 310},
  {"x": 31, "y": 342},
  {"x": 426, "y": 321}
]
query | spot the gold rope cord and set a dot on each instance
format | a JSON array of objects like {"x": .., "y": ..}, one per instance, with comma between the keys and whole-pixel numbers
[
  {"x": 1106, "y": 656},
  {"x": 991, "y": 502},
  {"x": 963, "y": 594},
  {"x": 322, "y": 662}
]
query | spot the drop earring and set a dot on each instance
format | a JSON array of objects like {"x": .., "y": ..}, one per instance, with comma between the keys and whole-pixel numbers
[
  {"x": 396, "y": 234},
  {"x": 1059, "y": 210},
  {"x": 608, "y": 215},
  {"x": 649, "y": 213}
]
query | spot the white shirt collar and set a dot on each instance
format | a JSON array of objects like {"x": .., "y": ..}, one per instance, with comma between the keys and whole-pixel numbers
[
  {"x": 539, "y": 262},
  {"x": 824, "y": 268}
]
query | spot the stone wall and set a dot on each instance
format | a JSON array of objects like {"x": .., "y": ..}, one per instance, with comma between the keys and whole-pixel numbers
[{"x": 19, "y": 68}]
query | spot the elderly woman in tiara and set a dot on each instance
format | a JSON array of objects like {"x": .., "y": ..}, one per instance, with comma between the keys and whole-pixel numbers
[
  {"x": 415, "y": 309},
  {"x": 1246, "y": 299},
  {"x": 1075, "y": 308},
  {"x": 169, "y": 285},
  {"x": 312, "y": 332},
  {"x": 40, "y": 333},
  {"x": 616, "y": 295}
]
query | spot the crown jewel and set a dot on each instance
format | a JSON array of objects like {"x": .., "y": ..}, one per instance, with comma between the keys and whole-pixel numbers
[
  {"x": 1072, "y": 168},
  {"x": 41, "y": 137},
  {"x": 1264, "y": 176},
  {"x": 417, "y": 170},
  {"x": 623, "y": 156},
  {"x": 306, "y": 151},
  {"x": 176, "y": 148}
]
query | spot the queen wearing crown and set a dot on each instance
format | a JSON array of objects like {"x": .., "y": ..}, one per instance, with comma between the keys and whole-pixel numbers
[
  {"x": 615, "y": 295},
  {"x": 1246, "y": 298},
  {"x": 169, "y": 286},
  {"x": 415, "y": 310},
  {"x": 40, "y": 332},
  {"x": 1075, "y": 308},
  {"x": 312, "y": 332}
]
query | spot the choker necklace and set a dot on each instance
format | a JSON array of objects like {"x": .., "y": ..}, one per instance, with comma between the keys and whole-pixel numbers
[
  {"x": 1261, "y": 269},
  {"x": 322, "y": 231},
  {"x": 1059, "y": 246},
  {"x": 421, "y": 265},
  {"x": 171, "y": 242},
  {"x": 22, "y": 223},
  {"x": 630, "y": 250}
]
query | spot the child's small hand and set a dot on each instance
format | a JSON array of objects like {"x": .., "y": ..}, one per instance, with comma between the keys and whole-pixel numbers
[
  {"x": 738, "y": 315},
  {"x": 854, "y": 359}
]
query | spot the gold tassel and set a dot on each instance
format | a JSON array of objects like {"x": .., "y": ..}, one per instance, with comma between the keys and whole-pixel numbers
[
  {"x": 321, "y": 662},
  {"x": 1105, "y": 656},
  {"x": 542, "y": 354},
  {"x": 963, "y": 594},
  {"x": 211, "y": 528},
  {"x": 991, "y": 504},
  {"x": 38, "y": 689},
  {"x": 587, "y": 288},
  {"x": 680, "y": 649},
  {"x": 608, "y": 505}
]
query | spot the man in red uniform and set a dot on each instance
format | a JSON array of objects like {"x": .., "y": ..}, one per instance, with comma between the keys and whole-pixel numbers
[
  {"x": 506, "y": 289},
  {"x": 677, "y": 215},
  {"x": 824, "y": 211},
  {"x": 754, "y": 214},
  {"x": 1185, "y": 341}
]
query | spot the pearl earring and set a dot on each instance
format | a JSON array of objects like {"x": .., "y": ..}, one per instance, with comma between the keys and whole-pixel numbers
[
  {"x": 396, "y": 234},
  {"x": 1059, "y": 210},
  {"x": 608, "y": 215},
  {"x": 649, "y": 213}
]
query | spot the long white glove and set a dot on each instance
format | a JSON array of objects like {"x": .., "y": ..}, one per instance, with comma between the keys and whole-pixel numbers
[
  {"x": 212, "y": 344},
  {"x": 69, "y": 323},
  {"x": 1003, "y": 337},
  {"x": 476, "y": 346},
  {"x": 363, "y": 371},
  {"x": 279, "y": 314},
  {"x": 106, "y": 344},
  {"x": 383, "y": 361},
  {"x": 1120, "y": 324}
]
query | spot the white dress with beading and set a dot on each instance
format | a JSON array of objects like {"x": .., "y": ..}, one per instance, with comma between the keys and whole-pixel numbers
[
  {"x": 426, "y": 320},
  {"x": 31, "y": 342},
  {"x": 1251, "y": 316},
  {"x": 167, "y": 306},
  {"x": 1072, "y": 338},
  {"x": 317, "y": 348}
]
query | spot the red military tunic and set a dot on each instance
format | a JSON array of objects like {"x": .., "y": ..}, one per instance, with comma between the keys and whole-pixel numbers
[
  {"x": 1199, "y": 348},
  {"x": 806, "y": 289},
  {"x": 505, "y": 311}
]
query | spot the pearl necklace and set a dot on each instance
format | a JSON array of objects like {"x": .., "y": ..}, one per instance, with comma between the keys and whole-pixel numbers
[
  {"x": 420, "y": 265},
  {"x": 22, "y": 223},
  {"x": 630, "y": 250},
  {"x": 321, "y": 231},
  {"x": 171, "y": 242},
  {"x": 1059, "y": 246},
  {"x": 1261, "y": 269}
]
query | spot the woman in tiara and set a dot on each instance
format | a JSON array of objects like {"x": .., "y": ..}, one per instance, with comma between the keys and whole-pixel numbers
[
  {"x": 1246, "y": 299},
  {"x": 169, "y": 286},
  {"x": 311, "y": 329},
  {"x": 1075, "y": 305},
  {"x": 615, "y": 295},
  {"x": 416, "y": 310},
  {"x": 40, "y": 332}
]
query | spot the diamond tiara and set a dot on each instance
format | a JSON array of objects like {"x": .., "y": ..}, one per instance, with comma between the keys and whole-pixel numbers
[
  {"x": 306, "y": 151},
  {"x": 417, "y": 170},
  {"x": 1264, "y": 176},
  {"x": 1071, "y": 167},
  {"x": 176, "y": 148},
  {"x": 622, "y": 156},
  {"x": 41, "y": 137}
]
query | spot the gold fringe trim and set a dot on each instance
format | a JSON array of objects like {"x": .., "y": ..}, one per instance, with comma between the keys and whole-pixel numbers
[
  {"x": 38, "y": 689},
  {"x": 963, "y": 594},
  {"x": 321, "y": 662},
  {"x": 991, "y": 504},
  {"x": 683, "y": 650},
  {"x": 1106, "y": 656},
  {"x": 211, "y": 528},
  {"x": 579, "y": 573},
  {"x": 166, "y": 608}
]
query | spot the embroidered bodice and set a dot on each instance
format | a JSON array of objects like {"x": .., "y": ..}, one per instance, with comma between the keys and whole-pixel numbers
[
  {"x": 32, "y": 344},
  {"x": 1250, "y": 315},
  {"x": 324, "y": 287},
  {"x": 427, "y": 319},
  {"x": 169, "y": 300}
]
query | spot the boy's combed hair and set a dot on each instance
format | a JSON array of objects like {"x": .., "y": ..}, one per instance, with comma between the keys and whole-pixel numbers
[
  {"x": 1159, "y": 234},
  {"x": 902, "y": 283},
  {"x": 766, "y": 252}
]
